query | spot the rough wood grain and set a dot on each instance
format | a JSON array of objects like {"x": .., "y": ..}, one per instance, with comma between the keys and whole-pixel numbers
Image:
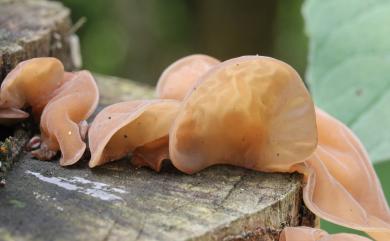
[
  {"x": 43, "y": 201},
  {"x": 33, "y": 28}
]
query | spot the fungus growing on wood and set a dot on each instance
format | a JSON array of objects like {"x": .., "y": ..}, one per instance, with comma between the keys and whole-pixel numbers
[
  {"x": 178, "y": 78},
  {"x": 251, "y": 111},
  {"x": 132, "y": 126},
  {"x": 61, "y": 101},
  {"x": 63, "y": 118},
  {"x": 209, "y": 127}
]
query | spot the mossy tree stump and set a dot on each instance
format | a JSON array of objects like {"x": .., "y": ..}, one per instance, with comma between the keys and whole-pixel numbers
[{"x": 43, "y": 201}]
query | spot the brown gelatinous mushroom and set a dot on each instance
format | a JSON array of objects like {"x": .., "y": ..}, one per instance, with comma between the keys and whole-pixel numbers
[
  {"x": 251, "y": 111},
  {"x": 133, "y": 126},
  {"x": 31, "y": 83},
  {"x": 178, "y": 78},
  {"x": 152, "y": 154},
  {"x": 63, "y": 118},
  {"x": 312, "y": 234},
  {"x": 61, "y": 101},
  {"x": 342, "y": 186}
]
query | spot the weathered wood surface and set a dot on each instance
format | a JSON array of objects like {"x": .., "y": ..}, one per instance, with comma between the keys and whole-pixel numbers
[
  {"x": 43, "y": 201},
  {"x": 33, "y": 28},
  {"x": 114, "y": 89}
]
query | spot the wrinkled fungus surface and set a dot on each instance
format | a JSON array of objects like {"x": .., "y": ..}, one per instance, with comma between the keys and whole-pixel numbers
[{"x": 251, "y": 111}]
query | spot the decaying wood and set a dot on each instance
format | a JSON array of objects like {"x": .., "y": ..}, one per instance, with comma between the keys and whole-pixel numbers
[
  {"x": 43, "y": 201},
  {"x": 33, "y": 28}
]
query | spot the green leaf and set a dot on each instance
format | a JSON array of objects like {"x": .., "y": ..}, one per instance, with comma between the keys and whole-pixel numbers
[{"x": 349, "y": 66}]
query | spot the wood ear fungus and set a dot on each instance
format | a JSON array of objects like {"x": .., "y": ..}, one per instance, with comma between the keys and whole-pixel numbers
[
  {"x": 31, "y": 83},
  {"x": 178, "y": 78},
  {"x": 133, "y": 126},
  {"x": 255, "y": 112},
  {"x": 61, "y": 101},
  {"x": 251, "y": 111},
  {"x": 63, "y": 118},
  {"x": 342, "y": 186}
]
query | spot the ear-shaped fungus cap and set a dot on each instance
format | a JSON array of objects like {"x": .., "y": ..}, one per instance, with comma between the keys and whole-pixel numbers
[
  {"x": 72, "y": 104},
  {"x": 178, "y": 78},
  {"x": 312, "y": 234},
  {"x": 251, "y": 111},
  {"x": 342, "y": 186},
  {"x": 121, "y": 128},
  {"x": 31, "y": 83}
]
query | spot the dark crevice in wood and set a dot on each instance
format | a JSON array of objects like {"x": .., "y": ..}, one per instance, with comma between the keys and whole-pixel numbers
[{"x": 12, "y": 147}]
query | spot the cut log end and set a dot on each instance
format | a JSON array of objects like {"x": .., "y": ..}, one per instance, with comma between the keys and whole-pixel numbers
[
  {"x": 123, "y": 203},
  {"x": 31, "y": 29}
]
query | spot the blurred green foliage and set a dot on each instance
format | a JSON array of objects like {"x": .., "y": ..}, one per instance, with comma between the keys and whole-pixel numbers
[
  {"x": 349, "y": 64},
  {"x": 138, "y": 39},
  {"x": 348, "y": 73}
]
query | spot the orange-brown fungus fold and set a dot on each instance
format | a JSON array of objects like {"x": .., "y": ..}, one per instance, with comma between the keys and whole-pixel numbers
[
  {"x": 61, "y": 101},
  {"x": 178, "y": 78},
  {"x": 312, "y": 234},
  {"x": 140, "y": 127},
  {"x": 63, "y": 116},
  {"x": 31, "y": 83},
  {"x": 251, "y": 111},
  {"x": 342, "y": 186}
]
